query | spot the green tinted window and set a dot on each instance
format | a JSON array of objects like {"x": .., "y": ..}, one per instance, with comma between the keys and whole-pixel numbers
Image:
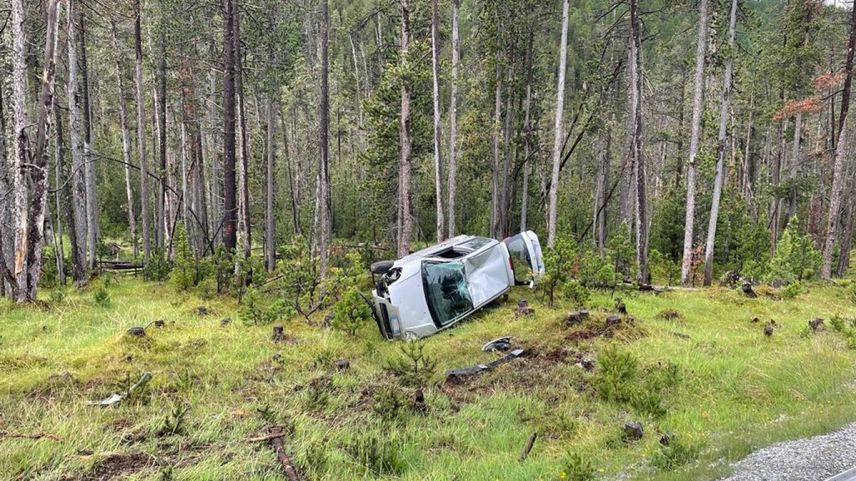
[{"x": 446, "y": 290}]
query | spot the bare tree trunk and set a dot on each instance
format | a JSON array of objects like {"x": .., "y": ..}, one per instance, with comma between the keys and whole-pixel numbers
[
  {"x": 524, "y": 193},
  {"x": 59, "y": 175},
  {"x": 453, "y": 118},
  {"x": 230, "y": 213},
  {"x": 838, "y": 165},
  {"x": 141, "y": 134},
  {"x": 695, "y": 133},
  {"x": 557, "y": 130},
  {"x": 270, "y": 221},
  {"x": 324, "y": 209},
  {"x": 638, "y": 159},
  {"x": 494, "y": 171},
  {"x": 7, "y": 226},
  {"x": 747, "y": 156},
  {"x": 161, "y": 236},
  {"x": 406, "y": 231},
  {"x": 126, "y": 139},
  {"x": 244, "y": 228},
  {"x": 21, "y": 156},
  {"x": 724, "y": 111},
  {"x": 78, "y": 203},
  {"x": 602, "y": 178},
  {"x": 846, "y": 239},
  {"x": 292, "y": 183},
  {"x": 505, "y": 185},
  {"x": 435, "y": 71},
  {"x": 89, "y": 169},
  {"x": 216, "y": 159}
]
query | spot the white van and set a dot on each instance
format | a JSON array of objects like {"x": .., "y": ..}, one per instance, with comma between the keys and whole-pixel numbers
[{"x": 432, "y": 289}]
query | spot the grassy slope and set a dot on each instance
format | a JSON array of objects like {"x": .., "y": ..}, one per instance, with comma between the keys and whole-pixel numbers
[{"x": 740, "y": 390}]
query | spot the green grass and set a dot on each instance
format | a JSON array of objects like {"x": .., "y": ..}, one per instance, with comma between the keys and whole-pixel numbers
[{"x": 737, "y": 390}]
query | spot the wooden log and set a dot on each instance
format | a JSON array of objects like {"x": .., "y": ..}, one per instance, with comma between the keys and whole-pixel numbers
[
  {"x": 287, "y": 466},
  {"x": 528, "y": 447}
]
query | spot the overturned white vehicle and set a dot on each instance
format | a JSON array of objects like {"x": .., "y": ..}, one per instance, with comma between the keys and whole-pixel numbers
[{"x": 432, "y": 289}]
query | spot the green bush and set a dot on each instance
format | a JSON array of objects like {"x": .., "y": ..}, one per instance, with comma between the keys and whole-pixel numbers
[
  {"x": 616, "y": 379},
  {"x": 575, "y": 293},
  {"x": 158, "y": 267},
  {"x": 559, "y": 261},
  {"x": 414, "y": 367},
  {"x": 186, "y": 271},
  {"x": 796, "y": 259},
  {"x": 259, "y": 309},
  {"x": 792, "y": 290},
  {"x": 380, "y": 453},
  {"x": 101, "y": 296},
  {"x": 351, "y": 312},
  {"x": 389, "y": 402},
  {"x": 677, "y": 453}
]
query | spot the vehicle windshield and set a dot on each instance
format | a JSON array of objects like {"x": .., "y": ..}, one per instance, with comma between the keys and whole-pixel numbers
[
  {"x": 446, "y": 290},
  {"x": 521, "y": 262}
]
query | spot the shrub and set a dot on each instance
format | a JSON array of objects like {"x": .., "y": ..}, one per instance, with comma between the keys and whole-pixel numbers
[
  {"x": 380, "y": 454},
  {"x": 574, "y": 292},
  {"x": 258, "y": 309},
  {"x": 101, "y": 296},
  {"x": 576, "y": 468},
  {"x": 158, "y": 267},
  {"x": 796, "y": 259},
  {"x": 186, "y": 271},
  {"x": 559, "y": 261},
  {"x": 675, "y": 454},
  {"x": 389, "y": 402},
  {"x": 351, "y": 312},
  {"x": 792, "y": 290},
  {"x": 414, "y": 367},
  {"x": 617, "y": 376}
]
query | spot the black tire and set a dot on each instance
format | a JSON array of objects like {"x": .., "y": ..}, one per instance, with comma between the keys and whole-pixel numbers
[{"x": 381, "y": 267}]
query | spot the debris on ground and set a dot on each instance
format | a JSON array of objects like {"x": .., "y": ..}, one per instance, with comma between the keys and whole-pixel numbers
[
  {"x": 115, "y": 398},
  {"x": 747, "y": 289},
  {"x": 527, "y": 448},
  {"x": 815, "y": 324},
  {"x": 666, "y": 439},
  {"x": 669, "y": 315},
  {"x": 769, "y": 327},
  {"x": 34, "y": 436},
  {"x": 225, "y": 321},
  {"x": 460, "y": 375},
  {"x": 342, "y": 364},
  {"x": 650, "y": 288},
  {"x": 523, "y": 309},
  {"x": 633, "y": 431},
  {"x": 500, "y": 344},
  {"x": 274, "y": 436}
]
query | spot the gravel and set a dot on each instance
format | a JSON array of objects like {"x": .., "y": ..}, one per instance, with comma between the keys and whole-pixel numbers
[{"x": 809, "y": 459}]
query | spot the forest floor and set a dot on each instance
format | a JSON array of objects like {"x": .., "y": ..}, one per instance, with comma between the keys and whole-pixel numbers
[{"x": 687, "y": 365}]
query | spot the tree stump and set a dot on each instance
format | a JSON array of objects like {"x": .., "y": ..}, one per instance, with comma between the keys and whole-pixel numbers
[
  {"x": 523, "y": 309},
  {"x": 278, "y": 333},
  {"x": 747, "y": 289},
  {"x": 225, "y": 321},
  {"x": 573, "y": 318},
  {"x": 342, "y": 364},
  {"x": 815, "y": 324},
  {"x": 768, "y": 328},
  {"x": 620, "y": 307},
  {"x": 201, "y": 311},
  {"x": 160, "y": 323},
  {"x": 612, "y": 321},
  {"x": 419, "y": 401},
  {"x": 137, "y": 331}
]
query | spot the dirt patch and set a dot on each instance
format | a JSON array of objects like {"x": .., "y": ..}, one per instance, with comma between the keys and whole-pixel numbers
[
  {"x": 618, "y": 327},
  {"x": 118, "y": 466}
]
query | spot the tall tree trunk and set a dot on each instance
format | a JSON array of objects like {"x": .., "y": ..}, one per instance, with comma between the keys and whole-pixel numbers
[
  {"x": 602, "y": 179},
  {"x": 59, "y": 175},
  {"x": 746, "y": 183},
  {"x": 270, "y": 199},
  {"x": 6, "y": 220},
  {"x": 244, "y": 229},
  {"x": 89, "y": 169},
  {"x": 216, "y": 159},
  {"x": 160, "y": 212},
  {"x": 557, "y": 130},
  {"x": 527, "y": 130},
  {"x": 141, "y": 133},
  {"x": 292, "y": 182},
  {"x": 505, "y": 185},
  {"x": 638, "y": 159},
  {"x": 494, "y": 171},
  {"x": 695, "y": 134},
  {"x": 453, "y": 119},
  {"x": 435, "y": 71},
  {"x": 21, "y": 156},
  {"x": 78, "y": 203},
  {"x": 724, "y": 111},
  {"x": 324, "y": 208},
  {"x": 230, "y": 213},
  {"x": 840, "y": 151},
  {"x": 406, "y": 231},
  {"x": 126, "y": 139}
]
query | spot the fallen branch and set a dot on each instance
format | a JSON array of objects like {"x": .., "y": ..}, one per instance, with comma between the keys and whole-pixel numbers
[
  {"x": 275, "y": 438},
  {"x": 115, "y": 398},
  {"x": 528, "y": 447},
  {"x": 38, "y": 435}
]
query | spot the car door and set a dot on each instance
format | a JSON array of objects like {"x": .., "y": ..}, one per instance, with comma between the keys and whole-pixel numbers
[{"x": 527, "y": 261}]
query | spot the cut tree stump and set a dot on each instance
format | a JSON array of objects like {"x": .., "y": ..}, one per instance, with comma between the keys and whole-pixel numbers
[
  {"x": 278, "y": 333},
  {"x": 747, "y": 289},
  {"x": 633, "y": 431},
  {"x": 815, "y": 324}
]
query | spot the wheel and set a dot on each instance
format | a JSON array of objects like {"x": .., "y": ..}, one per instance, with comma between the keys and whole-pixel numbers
[{"x": 381, "y": 267}]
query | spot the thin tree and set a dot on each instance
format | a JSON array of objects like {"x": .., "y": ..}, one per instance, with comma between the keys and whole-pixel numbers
[
  {"x": 20, "y": 157},
  {"x": 638, "y": 159},
  {"x": 229, "y": 201},
  {"x": 270, "y": 198},
  {"x": 160, "y": 212},
  {"x": 724, "y": 111},
  {"x": 557, "y": 130},
  {"x": 126, "y": 139},
  {"x": 141, "y": 133},
  {"x": 324, "y": 195},
  {"x": 244, "y": 228},
  {"x": 695, "y": 133},
  {"x": 435, "y": 71},
  {"x": 453, "y": 118},
  {"x": 405, "y": 147},
  {"x": 89, "y": 164},
  {"x": 840, "y": 152},
  {"x": 78, "y": 204}
]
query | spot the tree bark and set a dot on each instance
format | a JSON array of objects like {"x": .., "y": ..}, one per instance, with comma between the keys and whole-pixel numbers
[
  {"x": 324, "y": 207},
  {"x": 141, "y": 133},
  {"x": 494, "y": 171},
  {"x": 724, "y": 111},
  {"x": 78, "y": 203},
  {"x": 292, "y": 182},
  {"x": 527, "y": 127},
  {"x": 557, "y": 130},
  {"x": 230, "y": 213},
  {"x": 405, "y": 220},
  {"x": 21, "y": 156},
  {"x": 89, "y": 169},
  {"x": 453, "y": 119},
  {"x": 270, "y": 221},
  {"x": 840, "y": 151},
  {"x": 126, "y": 139},
  {"x": 695, "y": 134},
  {"x": 638, "y": 159},
  {"x": 244, "y": 228},
  {"x": 161, "y": 226},
  {"x": 602, "y": 179},
  {"x": 435, "y": 71}
]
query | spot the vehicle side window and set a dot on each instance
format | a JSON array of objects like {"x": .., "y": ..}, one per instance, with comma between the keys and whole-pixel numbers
[
  {"x": 521, "y": 263},
  {"x": 446, "y": 290}
]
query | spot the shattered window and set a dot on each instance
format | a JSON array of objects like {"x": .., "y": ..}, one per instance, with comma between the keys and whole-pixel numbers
[{"x": 446, "y": 290}]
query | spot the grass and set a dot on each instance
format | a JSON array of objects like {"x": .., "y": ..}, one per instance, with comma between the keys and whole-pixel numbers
[{"x": 704, "y": 374}]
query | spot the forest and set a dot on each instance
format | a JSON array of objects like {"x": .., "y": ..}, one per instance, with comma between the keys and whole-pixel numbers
[{"x": 195, "y": 197}]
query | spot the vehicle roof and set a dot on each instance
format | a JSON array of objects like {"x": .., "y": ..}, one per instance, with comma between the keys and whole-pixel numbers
[{"x": 410, "y": 264}]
